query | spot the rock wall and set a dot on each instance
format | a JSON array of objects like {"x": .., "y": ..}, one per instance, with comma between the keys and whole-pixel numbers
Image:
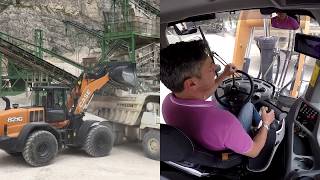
[{"x": 21, "y": 18}]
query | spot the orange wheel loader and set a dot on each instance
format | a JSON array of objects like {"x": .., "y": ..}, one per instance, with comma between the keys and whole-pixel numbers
[{"x": 55, "y": 119}]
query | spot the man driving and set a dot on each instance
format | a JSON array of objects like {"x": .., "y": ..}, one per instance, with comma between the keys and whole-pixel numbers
[{"x": 189, "y": 72}]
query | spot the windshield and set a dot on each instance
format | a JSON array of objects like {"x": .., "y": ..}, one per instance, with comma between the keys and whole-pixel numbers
[
  {"x": 236, "y": 38},
  {"x": 226, "y": 33},
  {"x": 50, "y": 98}
]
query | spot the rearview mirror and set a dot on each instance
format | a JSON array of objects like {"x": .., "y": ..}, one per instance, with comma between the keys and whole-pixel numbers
[
  {"x": 185, "y": 28},
  {"x": 283, "y": 21}
]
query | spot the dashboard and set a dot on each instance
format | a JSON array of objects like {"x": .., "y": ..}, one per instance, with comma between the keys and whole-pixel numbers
[
  {"x": 303, "y": 145},
  {"x": 307, "y": 116}
]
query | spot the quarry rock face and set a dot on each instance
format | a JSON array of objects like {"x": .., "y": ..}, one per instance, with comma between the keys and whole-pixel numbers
[{"x": 19, "y": 18}]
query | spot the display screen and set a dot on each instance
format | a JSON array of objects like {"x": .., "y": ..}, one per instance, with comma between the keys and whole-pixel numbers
[{"x": 308, "y": 45}]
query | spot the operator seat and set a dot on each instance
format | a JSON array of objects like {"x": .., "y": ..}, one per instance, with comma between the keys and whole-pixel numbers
[
  {"x": 178, "y": 150},
  {"x": 177, "y": 147}
]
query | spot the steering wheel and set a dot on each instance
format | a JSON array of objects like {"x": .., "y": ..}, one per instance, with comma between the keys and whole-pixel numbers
[{"x": 231, "y": 97}]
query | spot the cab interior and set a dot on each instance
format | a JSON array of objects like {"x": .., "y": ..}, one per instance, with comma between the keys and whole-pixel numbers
[{"x": 279, "y": 68}]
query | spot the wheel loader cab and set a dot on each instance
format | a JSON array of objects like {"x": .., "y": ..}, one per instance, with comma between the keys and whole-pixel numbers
[
  {"x": 279, "y": 48},
  {"x": 53, "y": 99}
]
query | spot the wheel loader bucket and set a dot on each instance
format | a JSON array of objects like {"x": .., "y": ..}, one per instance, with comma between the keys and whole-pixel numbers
[{"x": 123, "y": 73}]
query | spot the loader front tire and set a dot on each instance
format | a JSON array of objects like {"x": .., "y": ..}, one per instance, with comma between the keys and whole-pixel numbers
[
  {"x": 40, "y": 149},
  {"x": 99, "y": 141}
]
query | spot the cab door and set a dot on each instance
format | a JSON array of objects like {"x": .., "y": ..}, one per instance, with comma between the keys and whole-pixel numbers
[{"x": 55, "y": 107}]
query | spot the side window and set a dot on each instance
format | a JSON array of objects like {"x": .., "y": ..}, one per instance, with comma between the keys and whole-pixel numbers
[
  {"x": 43, "y": 98},
  {"x": 219, "y": 32},
  {"x": 58, "y": 99}
]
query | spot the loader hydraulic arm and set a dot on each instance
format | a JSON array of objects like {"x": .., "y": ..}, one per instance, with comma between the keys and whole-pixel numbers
[
  {"x": 121, "y": 74},
  {"x": 83, "y": 92}
]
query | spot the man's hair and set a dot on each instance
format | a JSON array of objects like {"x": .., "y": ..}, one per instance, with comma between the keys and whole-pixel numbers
[{"x": 181, "y": 61}]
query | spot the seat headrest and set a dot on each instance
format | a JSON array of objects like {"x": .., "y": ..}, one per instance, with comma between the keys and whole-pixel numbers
[{"x": 175, "y": 145}]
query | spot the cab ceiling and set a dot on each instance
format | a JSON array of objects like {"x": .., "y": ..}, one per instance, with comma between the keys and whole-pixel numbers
[{"x": 174, "y": 10}]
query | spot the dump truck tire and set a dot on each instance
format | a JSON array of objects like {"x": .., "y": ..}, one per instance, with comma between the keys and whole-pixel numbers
[
  {"x": 118, "y": 133},
  {"x": 99, "y": 141},
  {"x": 41, "y": 147},
  {"x": 151, "y": 144}
]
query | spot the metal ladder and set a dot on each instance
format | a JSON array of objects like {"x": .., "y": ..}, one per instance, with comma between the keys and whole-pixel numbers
[{"x": 112, "y": 45}]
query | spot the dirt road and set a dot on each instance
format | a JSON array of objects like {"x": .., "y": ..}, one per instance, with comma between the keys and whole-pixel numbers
[{"x": 125, "y": 162}]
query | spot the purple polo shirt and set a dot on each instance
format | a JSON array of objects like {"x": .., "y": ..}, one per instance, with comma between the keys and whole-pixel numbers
[{"x": 214, "y": 128}]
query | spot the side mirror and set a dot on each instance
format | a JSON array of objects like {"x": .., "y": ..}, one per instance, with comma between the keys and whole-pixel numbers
[
  {"x": 283, "y": 21},
  {"x": 185, "y": 28}
]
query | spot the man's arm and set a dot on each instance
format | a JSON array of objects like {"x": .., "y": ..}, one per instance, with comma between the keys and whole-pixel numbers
[
  {"x": 260, "y": 139},
  {"x": 228, "y": 71},
  {"x": 258, "y": 143}
]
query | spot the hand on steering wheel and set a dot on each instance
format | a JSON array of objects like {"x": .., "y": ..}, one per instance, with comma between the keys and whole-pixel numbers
[
  {"x": 230, "y": 98},
  {"x": 229, "y": 70}
]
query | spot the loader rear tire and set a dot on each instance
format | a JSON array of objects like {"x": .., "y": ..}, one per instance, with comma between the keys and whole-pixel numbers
[
  {"x": 99, "y": 141},
  {"x": 40, "y": 149}
]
